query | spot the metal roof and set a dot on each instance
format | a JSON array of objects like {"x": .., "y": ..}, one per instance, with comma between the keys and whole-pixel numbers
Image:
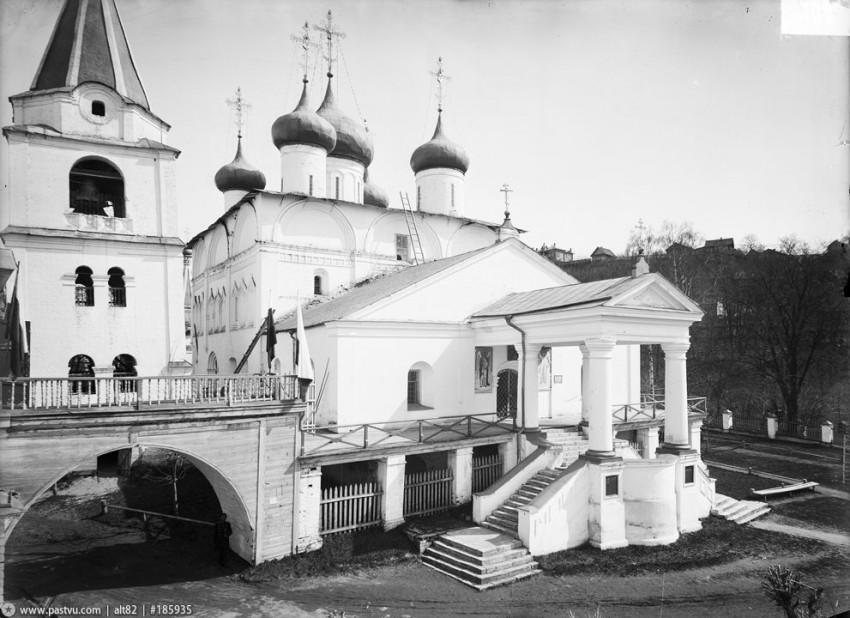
[{"x": 592, "y": 293}]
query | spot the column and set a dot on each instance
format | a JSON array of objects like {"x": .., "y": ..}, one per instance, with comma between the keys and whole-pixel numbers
[
  {"x": 585, "y": 392},
  {"x": 508, "y": 455},
  {"x": 460, "y": 463},
  {"x": 391, "y": 477},
  {"x": 600, "y": 420},
  {"x": 530, "y": 394},
  {"x": 309, "y": 510},
  {"x": 676, "y": 434}
]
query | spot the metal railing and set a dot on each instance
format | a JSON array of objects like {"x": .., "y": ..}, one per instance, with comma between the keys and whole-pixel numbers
[
  {"x": 652, "y": 408},
  {"x": 801, "y": 430},
  {"x": 370, "y": 435},
  {"x": 80, "y": 393}
]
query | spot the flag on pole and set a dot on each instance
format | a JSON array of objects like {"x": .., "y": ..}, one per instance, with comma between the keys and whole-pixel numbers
[
  {"x": 15, "y": 331},
  {"x": 303, "y": 364},
  {"x": 271, "y": 337}
]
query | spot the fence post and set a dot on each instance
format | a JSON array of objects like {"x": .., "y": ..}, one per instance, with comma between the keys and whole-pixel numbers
[
  {"x": 772, "y": 423},
  {"x": 826, "y": 433},
  {"x": 309, "y": 510},
  {"x": 460, "y": 463},
  {"x": 727, "y": 420}
]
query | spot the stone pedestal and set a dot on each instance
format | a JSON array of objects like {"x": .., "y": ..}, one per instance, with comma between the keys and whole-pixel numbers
[
  {"x": 460, "y": 463},
  {"x": 309, "y": 510},
  {"x": 688, "y": 503},
  {"x": 391, "y": 478},
  {"x": 696, "y": 436},
  {"x": 648, "y": 440},
  {"x": 606, "y": 521},
  {"x": 826, "y": 433},
  {"x": 727, "y": 420},
  {"x": 772, "y": 424}
]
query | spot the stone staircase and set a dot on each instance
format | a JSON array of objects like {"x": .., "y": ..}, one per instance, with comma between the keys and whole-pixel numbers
[
  {"x": 739, "y": 511},
  {"x": 480, "y": 558},
  {"x": 572, "y": 442},
  {"x": 505, "y": 518}
]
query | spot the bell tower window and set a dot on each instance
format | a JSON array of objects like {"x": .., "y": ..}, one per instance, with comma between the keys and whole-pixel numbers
[
  {"x": 117, "y": 289},
  {"x": 96, "y": 188},
  {"x": 98, "y": 108},
  {"x": 84, "y": 287}
]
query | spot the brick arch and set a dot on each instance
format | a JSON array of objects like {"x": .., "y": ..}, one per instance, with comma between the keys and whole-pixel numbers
[{"x": 229, "y": 497}]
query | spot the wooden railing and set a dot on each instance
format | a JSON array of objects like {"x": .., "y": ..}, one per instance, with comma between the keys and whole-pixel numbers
[
  {"x": 651, "y": 408},
  {"x": 486, "y": 471},
  {"x": 706, "y": 483},
  {"x": 78, "y": 393},
  {"x": 427, "y": 492},
  {"x": 369, "y": 435},
  {"x": 350, "y": 507}
]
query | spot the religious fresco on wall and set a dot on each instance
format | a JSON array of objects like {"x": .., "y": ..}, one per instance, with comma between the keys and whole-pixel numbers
[
  {"x": 544, "y": 369},
  {"x": 483, "y": 369}
]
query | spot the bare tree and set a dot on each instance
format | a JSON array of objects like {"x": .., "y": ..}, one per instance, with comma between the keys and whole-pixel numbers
[
  {"x": 169, "y": 471},
  {"x": 655, "y": 241}
]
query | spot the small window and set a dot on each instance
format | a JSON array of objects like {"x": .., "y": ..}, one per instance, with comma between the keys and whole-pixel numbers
[
  {"x": 402, "y": 248},
  {"x": 721, "y": 310},
  {"x": 117, "y": 291},
  {"x": 689, "y": 475},
  {"x": 311, "y": 185},
  {"x": 414, "y": 390},
  {"x": 453, "y": 197},
  {"x": 98, "y": 108},
  {"x": 84, "y": 287},
  {"x": 418, "y": 198},
  {"x": 317, "y": 285},
  {"x": 212, "y": 364},
  {"x": 336, "y": 185},
  {"x": 612, "y": 485}
]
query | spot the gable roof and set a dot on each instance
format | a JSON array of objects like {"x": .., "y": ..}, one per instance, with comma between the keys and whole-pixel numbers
[
  {"x": 373, "y": 290},
  {"x": 88, "y": 44},
  {"x": 650, "y": 291}
]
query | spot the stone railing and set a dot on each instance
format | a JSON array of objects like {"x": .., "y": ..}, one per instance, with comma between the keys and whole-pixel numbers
[
  {"x": 99, "y": 223},
  {"x": 84, "y": 394}
]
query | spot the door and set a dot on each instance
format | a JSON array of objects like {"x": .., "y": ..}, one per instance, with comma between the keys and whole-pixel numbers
[{"x": 506, "y": 393}]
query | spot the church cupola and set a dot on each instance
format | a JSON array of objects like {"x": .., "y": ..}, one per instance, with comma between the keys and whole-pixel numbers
[
  {"x": 304, "y": 140},
  {"x": 440, "y": 166},
  {"x": 238, "y": 177},
  {"x": 373, "y": 195}
]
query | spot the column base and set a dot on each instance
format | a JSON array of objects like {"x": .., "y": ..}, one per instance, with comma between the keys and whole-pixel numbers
[
  {"x": 395, "y": 523},
  {"x": 600, "y": 457},
  {"x": 675, "y": 449}
]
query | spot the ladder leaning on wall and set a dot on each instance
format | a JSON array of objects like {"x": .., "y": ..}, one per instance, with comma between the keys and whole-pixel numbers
[{"x": 418, "y": 255}]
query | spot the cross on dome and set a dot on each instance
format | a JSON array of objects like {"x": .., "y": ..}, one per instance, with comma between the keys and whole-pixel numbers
[
  {"x": 306, "y": 45},
  {"x": 240, "y": 107},
  {"x": 440, "y": 76},
  {"x": 506, "y": 189},
  {"x": 331, "y": 33}
]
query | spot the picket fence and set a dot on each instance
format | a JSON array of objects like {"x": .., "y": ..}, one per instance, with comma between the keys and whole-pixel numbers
[
  {"x": 350, "y": 507},
  {"x": 428, "y": 492},
  {"x": 486, "y": 471}
]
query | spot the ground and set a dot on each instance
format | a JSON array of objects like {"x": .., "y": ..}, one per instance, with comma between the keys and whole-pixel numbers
[{"x": 64, "y": 553}]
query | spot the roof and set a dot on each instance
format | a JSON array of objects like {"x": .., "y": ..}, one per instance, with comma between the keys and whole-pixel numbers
[
  {"x": 370, "y": 292},
  {"x": 724, "y": 243},
  {"x": 79, "y": 51},
  {"x": 602, "y": 252},
  {"x": 594, "y": 292}
]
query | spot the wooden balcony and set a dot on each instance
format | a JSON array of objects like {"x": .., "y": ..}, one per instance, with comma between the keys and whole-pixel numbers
[{"x": 82, "y": 394}]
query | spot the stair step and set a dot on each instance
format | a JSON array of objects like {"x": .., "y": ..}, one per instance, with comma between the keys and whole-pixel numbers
[
  {"x": 505, "y": 561},
  {"x": 476, "y": 578},
  {"x": 498, "y": 545},
  {"x": 754, "y": 514},
  {"x": 499, "y": 528},
  {"x": 510, "y": 524},
  {"x": 492, "y": 584}
]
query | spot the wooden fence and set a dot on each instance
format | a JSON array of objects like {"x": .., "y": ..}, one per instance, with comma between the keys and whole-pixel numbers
[
  {"x": 428, "y": 492},
  {"x": 350, "y": 507},
  {"x": 486, "y": 471}
]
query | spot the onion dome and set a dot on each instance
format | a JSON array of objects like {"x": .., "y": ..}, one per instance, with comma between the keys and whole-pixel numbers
[
  {"x": 239, "y": 174},
  {"x": 303, "y": 126},
  {"x": 439, "y": 152},
  {"x": 352, "y": 139},
  {"x": 373, "y": 195}
]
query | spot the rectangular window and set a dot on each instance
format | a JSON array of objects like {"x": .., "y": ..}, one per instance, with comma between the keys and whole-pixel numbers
[
  {"x": 402, "y": 248},
  {"x": 84, "y": 296},
  {"x": 689, "y": 475},
  {"x": 413, "y": 387},
  {"x": 612, "y": 485},
  {"x": 453, "y": 197},
  {"x": 418, "y": 198},
  {"x": 336, "y": 184},
  {"x": 311, "y": 184}
]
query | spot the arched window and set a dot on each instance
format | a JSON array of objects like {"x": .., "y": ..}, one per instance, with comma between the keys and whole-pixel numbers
[
  {"x": 124, "y": 366},
  {"x": 82, "y": 366},
  {"x": 96, "y": 188},
  {"x": 420, "y": 395},
  {"x": 317, "y": 285},
  {"x": 311, "y": 184},
  {"x": 320, "y": 282},
  {"x": 336, "y": 187},
  {"x": 222, "y": 311},
  {"x": 84, "y": 287},
  {"x": 235, "y": 300},
  {"x": 98, "y": 108},
  {"x": 418, "y": 198},
  {"x": 117, "y": 291},
  {"x": 453, "y": 196},
  {"x": 212, "y": 364}
]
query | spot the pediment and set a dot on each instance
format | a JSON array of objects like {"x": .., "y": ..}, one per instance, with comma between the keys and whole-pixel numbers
[{"x": 657, "y": 293}]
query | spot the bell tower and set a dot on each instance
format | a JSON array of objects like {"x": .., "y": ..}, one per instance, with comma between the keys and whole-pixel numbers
[{"x": 91, "y": 210}]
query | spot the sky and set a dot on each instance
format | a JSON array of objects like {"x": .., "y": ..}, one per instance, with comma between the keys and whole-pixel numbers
[{"x": 595, "y": 113}]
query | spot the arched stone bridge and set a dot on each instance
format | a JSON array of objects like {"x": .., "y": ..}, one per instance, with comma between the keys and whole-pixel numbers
[{"x": 240, "y": 432}]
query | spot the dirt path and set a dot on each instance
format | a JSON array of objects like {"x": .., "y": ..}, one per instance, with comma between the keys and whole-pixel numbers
[{"x": 829, "y": 537}]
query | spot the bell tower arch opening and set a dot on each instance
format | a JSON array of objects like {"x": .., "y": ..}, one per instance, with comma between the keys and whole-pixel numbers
[{"x": 96, "y": 187}]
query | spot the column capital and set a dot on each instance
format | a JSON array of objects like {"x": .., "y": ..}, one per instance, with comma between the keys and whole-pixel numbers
[
  {"x": 600, "y": 346},
  {"x": 533, "y": 347},
  {"x": 675, "y": 348}
]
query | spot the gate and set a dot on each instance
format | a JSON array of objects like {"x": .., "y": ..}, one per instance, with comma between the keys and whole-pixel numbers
[
  {"x": 428, "y": 492},
  {"x": 486, "y": 471},
  {"x": 350, "y": 507}
]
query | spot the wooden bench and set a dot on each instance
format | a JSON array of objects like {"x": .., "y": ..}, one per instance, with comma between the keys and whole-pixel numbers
[{"x": 785, "y": 489}]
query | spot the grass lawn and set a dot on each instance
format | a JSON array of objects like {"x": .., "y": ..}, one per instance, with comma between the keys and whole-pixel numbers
[
  {"x": 719, "y": 542},
  {"x": 819, "y": 511},
  {"x": 737, "y": 485}
]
